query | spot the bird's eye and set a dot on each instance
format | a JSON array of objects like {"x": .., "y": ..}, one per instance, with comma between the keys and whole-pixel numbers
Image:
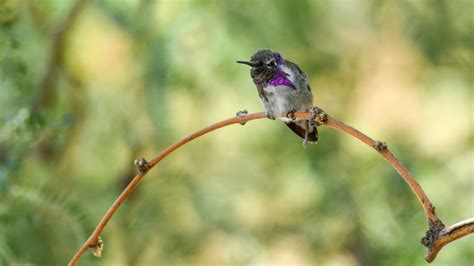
[{"x": 271, "y": 63}]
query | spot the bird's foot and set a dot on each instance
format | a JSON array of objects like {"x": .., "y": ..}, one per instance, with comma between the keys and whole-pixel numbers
[
  {"x": 270, "y": 115},
  {"x": 291, "y": 115}
]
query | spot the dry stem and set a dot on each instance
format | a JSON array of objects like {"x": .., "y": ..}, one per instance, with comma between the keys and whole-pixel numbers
[{"x": 437, "y": 236}]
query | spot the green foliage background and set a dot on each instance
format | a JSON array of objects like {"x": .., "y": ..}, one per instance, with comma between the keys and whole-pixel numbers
[{"x": 135, "y": 76}]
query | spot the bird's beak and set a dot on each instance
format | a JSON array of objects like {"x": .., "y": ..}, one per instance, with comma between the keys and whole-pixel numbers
[{"x": 247, "y": 63}]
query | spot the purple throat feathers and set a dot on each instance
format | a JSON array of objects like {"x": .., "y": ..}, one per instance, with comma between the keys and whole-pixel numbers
[{"x": 280, "y": 80}]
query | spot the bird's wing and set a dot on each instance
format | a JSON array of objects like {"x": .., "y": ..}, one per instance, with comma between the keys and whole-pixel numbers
[{"x": 301, "y": 79}]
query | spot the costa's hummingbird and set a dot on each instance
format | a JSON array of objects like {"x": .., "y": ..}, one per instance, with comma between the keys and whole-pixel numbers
[{"x": 284, "y": 89}]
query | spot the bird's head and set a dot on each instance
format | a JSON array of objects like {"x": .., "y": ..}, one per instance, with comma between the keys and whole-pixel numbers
[{"x": 265, "y": 64}]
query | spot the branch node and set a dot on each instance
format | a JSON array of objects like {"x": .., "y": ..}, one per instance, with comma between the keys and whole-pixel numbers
[
  {"x": 97, "y": 247},
  {"x": 141, "y": 165},
  {"x": 380, "y": 146},
  {"x": 433, "y": 210},
  {"x": 318, "y": 115},
  {"x": 241, "y": 114},
  {"x": 433, "y": 233}
]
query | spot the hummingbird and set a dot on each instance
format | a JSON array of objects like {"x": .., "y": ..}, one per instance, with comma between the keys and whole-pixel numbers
[{"x": 283, "y": 89}]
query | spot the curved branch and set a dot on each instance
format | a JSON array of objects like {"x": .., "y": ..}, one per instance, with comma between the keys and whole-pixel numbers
[
  {"x": 92, "y": 242},
  {"x": 441, "y": 237}
]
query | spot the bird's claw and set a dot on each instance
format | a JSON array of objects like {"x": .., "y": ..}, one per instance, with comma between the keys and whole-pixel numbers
[
  {"x": 291, "y": 115},
  {"x": 270, "y": 116}
]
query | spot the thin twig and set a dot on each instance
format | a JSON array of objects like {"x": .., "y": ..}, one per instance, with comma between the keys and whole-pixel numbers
[
  {"x": 444, "y": 237},
  {"x": 100, "y": 227}
]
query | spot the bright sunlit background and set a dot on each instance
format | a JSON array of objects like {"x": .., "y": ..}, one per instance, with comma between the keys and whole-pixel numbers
[{"x": 130, "y": 77}]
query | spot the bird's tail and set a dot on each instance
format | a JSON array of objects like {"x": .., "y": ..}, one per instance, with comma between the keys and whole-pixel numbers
[{"x": 299, "y": 127}]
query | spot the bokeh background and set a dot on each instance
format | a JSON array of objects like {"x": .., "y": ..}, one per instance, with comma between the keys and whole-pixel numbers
[{"x": 84, "y": 93}]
